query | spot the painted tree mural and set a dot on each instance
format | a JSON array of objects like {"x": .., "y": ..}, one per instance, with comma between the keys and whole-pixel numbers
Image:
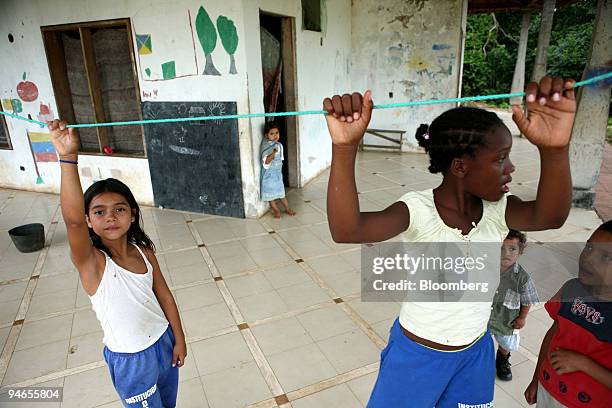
[
  {"x": 229, "y": 39},
  {"x": 207, "y": 34}
]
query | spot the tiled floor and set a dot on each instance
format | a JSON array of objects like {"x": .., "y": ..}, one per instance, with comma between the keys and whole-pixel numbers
[{"x": 271, "y": 308}]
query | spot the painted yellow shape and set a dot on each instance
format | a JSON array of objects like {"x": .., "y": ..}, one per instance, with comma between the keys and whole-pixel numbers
[
  {"x": 39, "y": 137},
  {"x": 418, "y": 63},
  {"x": 144, "y": 50},
  {"x": 7, "y": 105}
]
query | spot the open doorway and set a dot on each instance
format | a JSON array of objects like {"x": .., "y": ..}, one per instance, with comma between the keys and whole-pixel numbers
[{"x": 279, "y": 80}]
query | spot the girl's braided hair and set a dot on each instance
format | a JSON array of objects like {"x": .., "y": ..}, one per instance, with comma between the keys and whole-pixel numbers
[{"x": 455, "y": 133}]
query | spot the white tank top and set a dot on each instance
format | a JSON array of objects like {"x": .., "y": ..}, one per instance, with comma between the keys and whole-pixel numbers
[
  {"x": 450, "y": 323},
  {"x": 127, "y": 308}
]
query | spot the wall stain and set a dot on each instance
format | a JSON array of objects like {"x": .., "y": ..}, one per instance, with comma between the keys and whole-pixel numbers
[
  {"x": 418, "y": 63},
  {"x": 403, "y": 19}
]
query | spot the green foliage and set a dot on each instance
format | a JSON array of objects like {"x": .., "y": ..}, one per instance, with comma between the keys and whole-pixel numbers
[
  {"x": 490, "y": 55},
  {"x": 207, "y": 34},
  {"x": 228, "y": 34},
  {"x": 489, "y": 62}
]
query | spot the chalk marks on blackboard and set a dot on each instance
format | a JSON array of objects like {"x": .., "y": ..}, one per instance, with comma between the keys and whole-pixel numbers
[
  {"x": 216, "y": 109},
  {"x": 196, "y": 111},
  {"x": 194, "y": 165},
  {"x": 184, "y": 150}
]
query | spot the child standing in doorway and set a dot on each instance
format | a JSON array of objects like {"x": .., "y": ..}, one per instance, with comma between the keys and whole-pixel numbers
[
  {"x": 513, "y": 299},
  {"x": 143, "y": 336},
  {"x": 272, "y": 186},
  {"x": 439, "y": 353}
]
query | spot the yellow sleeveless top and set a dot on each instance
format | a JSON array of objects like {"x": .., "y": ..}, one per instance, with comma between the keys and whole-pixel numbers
[{"x": 450, "y": 323}]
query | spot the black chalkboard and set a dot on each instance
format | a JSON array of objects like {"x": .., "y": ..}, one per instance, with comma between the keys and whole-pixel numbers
[{"x": 195, "y": 165}]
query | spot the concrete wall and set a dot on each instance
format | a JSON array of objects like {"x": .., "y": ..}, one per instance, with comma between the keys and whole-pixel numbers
[
  {"x": 321, "y": 70},
  {"x": 171, "y": 41},
  {"x": 411, "y": 49}
]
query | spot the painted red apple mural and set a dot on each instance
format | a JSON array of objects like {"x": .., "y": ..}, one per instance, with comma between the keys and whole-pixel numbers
[{"x": 27, "y": 91}]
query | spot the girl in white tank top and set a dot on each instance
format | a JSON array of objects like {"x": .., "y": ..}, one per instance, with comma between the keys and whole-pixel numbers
[
  {"x": 127, "y": 308},
  {"x": 143, "y": 336}
]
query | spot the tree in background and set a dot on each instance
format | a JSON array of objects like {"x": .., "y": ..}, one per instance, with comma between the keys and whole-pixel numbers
[
  {"x": 571, "y": 39},
  {"x": 488, "y": 59},
  {"x": 492, "y": 42}
]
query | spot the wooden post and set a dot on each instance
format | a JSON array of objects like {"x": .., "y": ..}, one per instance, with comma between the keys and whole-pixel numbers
[
  {"x": 290, "y": 95},
  {"x": 94, "y": 84},
  {"x": 59, "y": 78},
  {"x": 539, "y": 67},
  {"x": 518, "y": 80}
]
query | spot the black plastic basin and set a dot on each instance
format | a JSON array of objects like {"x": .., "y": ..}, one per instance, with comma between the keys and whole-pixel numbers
[{"x": 29, "y": 237}]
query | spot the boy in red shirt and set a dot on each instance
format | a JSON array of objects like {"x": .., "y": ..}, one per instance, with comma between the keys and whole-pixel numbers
[{"x": 575, "y": 363}]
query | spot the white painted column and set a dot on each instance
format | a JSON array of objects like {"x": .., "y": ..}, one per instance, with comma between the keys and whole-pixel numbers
[{"x": 589, "y": 133}]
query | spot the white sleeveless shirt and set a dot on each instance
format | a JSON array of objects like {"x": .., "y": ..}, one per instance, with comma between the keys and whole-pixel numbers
[
  {"x": 127, "y": 308},
  {"x": 450, "y": 323}
]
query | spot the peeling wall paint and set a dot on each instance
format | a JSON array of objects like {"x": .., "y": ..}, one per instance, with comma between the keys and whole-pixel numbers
[{"x": 409, "y": 49}]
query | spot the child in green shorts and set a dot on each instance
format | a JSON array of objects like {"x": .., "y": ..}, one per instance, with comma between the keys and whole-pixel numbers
[{"x": 515, "y": 295}]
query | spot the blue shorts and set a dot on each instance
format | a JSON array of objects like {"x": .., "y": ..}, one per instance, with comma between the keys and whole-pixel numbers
[
  {"x": 415, "y": 376},
  {"x": 146, "y": 378}
]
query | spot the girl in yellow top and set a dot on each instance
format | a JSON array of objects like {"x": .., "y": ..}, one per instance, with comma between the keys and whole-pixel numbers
[{"x": 437, "y": 354}]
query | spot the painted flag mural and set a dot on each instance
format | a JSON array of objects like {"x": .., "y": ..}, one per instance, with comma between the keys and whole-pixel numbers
[
  {"x": 42, "y": 148},
  {"x": 143, "y": 41}
]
